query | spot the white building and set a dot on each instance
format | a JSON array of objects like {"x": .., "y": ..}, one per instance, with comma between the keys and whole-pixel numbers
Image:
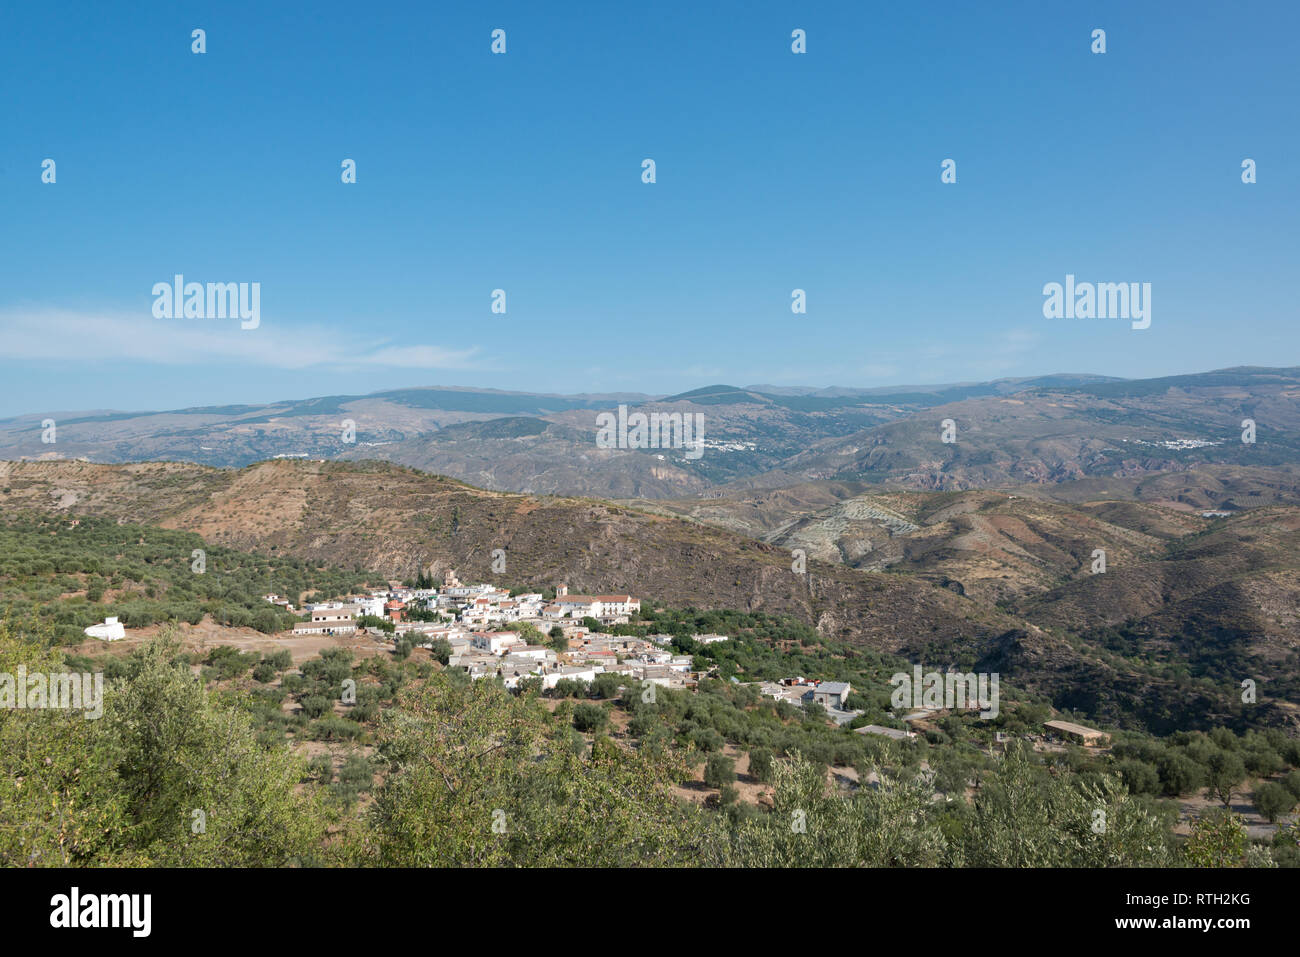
[
  {"x": 575, "y": 673},
  {"x": 595, "y": 606},
  {"x": 370, "y": 605},
  {"x": 495, "y": 642},
  {"x": 466, "y": 591},
  {"x": 334, "y": 626},
  {"x": 322, "y": 606},
  {"x": 108, "y": 630},
  {"x": 327, "y": 615}
]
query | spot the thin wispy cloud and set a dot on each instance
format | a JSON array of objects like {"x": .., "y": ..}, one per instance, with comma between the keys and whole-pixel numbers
[{"x": 70, "y": 336}]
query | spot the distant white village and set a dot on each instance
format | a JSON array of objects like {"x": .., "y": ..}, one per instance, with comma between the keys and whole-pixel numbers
[
  {"x": 475, "y": 619},
  {"x": 485, "y": 632}
]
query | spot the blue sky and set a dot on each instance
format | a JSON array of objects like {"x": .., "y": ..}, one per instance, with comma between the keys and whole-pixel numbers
[{"x": 522, "y": 171}]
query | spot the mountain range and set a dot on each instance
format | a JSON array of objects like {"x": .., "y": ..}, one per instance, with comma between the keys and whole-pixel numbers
[
  {"x": 979, "y": 552},
  {"x": 1004, "y": 433}
]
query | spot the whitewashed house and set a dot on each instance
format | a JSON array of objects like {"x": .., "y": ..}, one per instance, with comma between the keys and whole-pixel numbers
[{"x": 110, "y": 629}]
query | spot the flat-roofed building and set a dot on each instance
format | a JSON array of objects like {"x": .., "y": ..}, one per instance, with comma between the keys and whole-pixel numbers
[
  {"x": 1077, "y": 733},
  {"x": 884, "y": 732},
  {"x": 332, "y": 626}
]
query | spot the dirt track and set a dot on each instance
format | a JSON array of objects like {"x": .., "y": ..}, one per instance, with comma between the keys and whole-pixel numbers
[{"x": 207, "y": 635}]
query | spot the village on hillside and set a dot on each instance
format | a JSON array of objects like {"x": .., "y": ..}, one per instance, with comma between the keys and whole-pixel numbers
[
  {"x": 528, "y": 640},
  {"x": 567, "y": 645},
  {"x": 486, "y": 632}
]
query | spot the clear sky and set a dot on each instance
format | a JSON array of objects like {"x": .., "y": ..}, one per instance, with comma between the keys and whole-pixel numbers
[{"x": 523, "y": 172}]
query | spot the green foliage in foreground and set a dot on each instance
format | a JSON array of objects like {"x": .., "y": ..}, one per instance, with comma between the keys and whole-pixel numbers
[
  {"x": 480, "y": 777},
  {"x": 170, "y": 775},
  {"x": 1021, "y": 819},
  {"x": 473, "y": 775}
]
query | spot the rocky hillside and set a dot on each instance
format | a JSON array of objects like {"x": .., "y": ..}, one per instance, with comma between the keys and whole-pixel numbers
[
  {"x": 984, "y": 579},
  {"x": 398, "y": 521}
]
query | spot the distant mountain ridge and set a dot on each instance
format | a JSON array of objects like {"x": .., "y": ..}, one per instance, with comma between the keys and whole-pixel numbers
[{"x": 1043, "y": 429}]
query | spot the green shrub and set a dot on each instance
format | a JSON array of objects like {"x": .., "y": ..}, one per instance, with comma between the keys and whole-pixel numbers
[{"x": 589, "y": 717}]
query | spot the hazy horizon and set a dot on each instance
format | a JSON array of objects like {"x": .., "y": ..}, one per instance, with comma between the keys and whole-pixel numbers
[{"x": 629, "y": 395}]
